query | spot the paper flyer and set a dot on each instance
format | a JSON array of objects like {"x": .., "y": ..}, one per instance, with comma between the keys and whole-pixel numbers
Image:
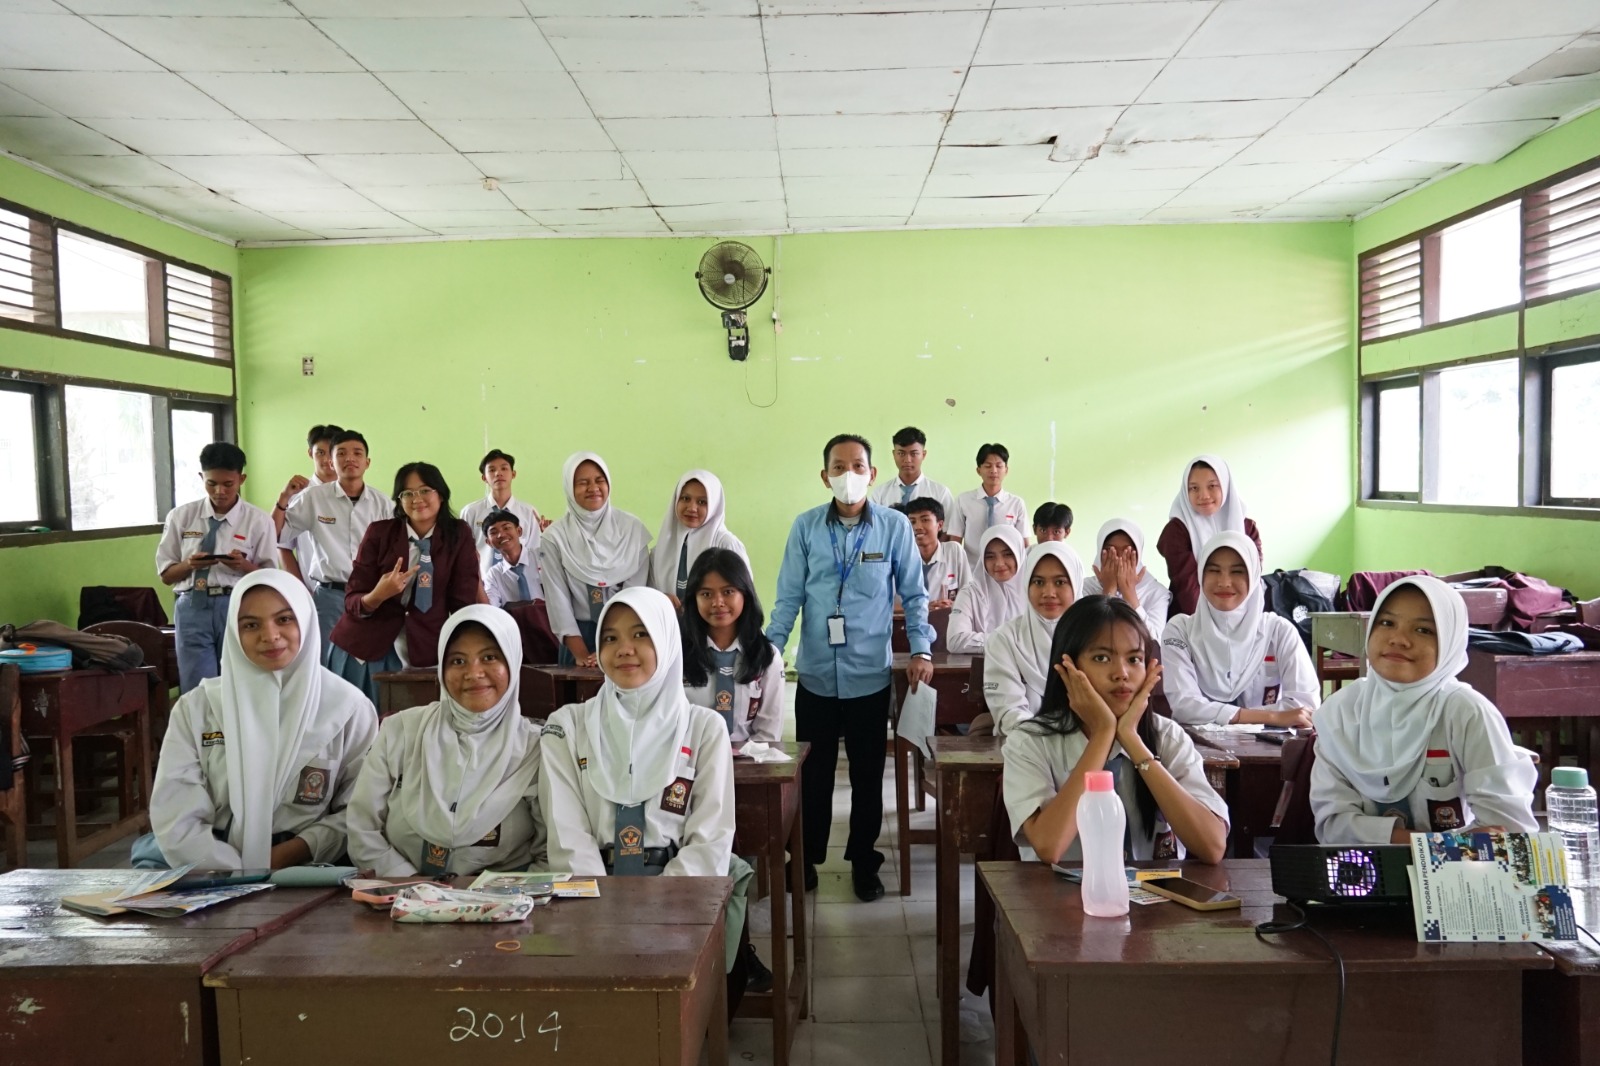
[{"x": 1490, "y": 886}]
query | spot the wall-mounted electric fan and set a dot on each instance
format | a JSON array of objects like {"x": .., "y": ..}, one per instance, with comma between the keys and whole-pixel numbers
[{"x": 731, "y": 278}]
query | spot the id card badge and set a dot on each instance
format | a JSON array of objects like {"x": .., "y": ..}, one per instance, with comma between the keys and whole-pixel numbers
[
  {"x": 435, "y": 860},
  {"x": 836, "y": 631}
]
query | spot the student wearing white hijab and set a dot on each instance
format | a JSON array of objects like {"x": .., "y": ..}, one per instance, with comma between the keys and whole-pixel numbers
[
  {"x": 589, "y": 554},
  {"x": 1231, "y": 661},
  {"x": 1409, "y": 748},
  {"x": 1207, "y": 504},
  {"x": 452, "y": 787},
  {"x": 1016, "y": 661},
  {"x": 994, "y": 596},
  {"x": 1119, "y": 571},
  {"x": 693, "y": 524},
  {"x": 258, "y": 763}
]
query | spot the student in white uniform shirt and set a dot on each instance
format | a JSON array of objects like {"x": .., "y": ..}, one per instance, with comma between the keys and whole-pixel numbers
[
  {"x": 332, "y": 517},
  {"x": 1119, "y": 571},
  {"x": 910, "y": 452},
  {"x": 452, "y": 787},
  {"x": 206, "y": 546},
  {"x": 1232, "y": 662},
  {"x": 944, "y": 564},
  {"x": 994, "y": 596},
  {"x": 1095, "y": 716},
  {"x": 694, "y": 523},
  {"x": 259, "y": 763},
  {"x": 976, "y": 510},
  {"x": 498, "y": 470},
  {"x": 319, "y": 448},
  {"x": 1016, "y": 663},
  {"x": 1409, "y": 748},
  {"x": 728, "y": 664},
  {"x": 514, "y": 575},
  {"x": 589, "y": 554}
]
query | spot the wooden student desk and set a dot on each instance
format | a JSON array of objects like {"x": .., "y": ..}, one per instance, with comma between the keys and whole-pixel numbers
[
  {"x": 950, "y": 677},
  {"x": 1537, "y": 694},
  {"x": 1065, "y": 981},
  {"x": 109, "y": 991},
  {"x": 644, "y": 984},
  {"x": 1251, "y": 787},
  {"x": 766, "y": 802}
]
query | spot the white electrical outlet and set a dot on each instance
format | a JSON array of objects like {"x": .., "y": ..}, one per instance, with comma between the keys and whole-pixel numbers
[{"x": 308, "y": 366}]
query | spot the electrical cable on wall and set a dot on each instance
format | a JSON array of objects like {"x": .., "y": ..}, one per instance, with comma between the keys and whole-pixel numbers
[{"x": 777, "y": 329}]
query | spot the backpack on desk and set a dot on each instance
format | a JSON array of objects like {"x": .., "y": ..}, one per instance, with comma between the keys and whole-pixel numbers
[
  {"x": 105, "y": 651},
  {"x": 1297, "y": 594}
]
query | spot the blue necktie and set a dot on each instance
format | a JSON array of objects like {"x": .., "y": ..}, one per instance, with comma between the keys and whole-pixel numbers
[
  {"x": 422, "y": 596},
  {"x": 208, "y": 546},
  {"x": 523, "y": 591},
  {"x": 1119, "y": 766},
  {"x": 683, "y": 568},
  {"x": 906, "y": 491},
  {"x": 627, "y": 849},
  {"x": 722, "y": 683},
  {"x": 992, "y": 502}
]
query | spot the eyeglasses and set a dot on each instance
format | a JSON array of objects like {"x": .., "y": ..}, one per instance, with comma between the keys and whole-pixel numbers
[{"x": 417, "y": 494}]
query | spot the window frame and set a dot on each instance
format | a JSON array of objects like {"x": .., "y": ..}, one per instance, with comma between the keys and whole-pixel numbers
[
  {"x": 156, "y": 264},
  {"x": 1544, "y": 392},
  {"x": 1372, "y": 401}
]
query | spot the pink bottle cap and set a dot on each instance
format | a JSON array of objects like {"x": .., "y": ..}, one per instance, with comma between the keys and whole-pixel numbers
[{"x": 1100, "y": 781}]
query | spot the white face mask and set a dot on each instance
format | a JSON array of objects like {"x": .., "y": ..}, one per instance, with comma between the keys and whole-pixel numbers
[{"x": 849, "y": 488}]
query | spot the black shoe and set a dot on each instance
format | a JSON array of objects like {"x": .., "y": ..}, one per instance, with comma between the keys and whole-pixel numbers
[
  {"x": 760, "y": 978},
  {"x": 810, "y": 875},
  {"x": 869, "y": 886}
]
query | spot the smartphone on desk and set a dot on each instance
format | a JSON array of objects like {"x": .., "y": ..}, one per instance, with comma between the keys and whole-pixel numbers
[
  {"x": 1192, "y": 894},
  {"x": 198, "y": 879},
  {"x": 1277, "y": 736}
]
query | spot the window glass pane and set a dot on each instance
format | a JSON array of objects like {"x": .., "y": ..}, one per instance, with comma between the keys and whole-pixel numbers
[
  {"x": 191, "y": 431},
  {"x": 1399, "y": 438},
  {"x": 1478, "y": 435},
  {"x": 103, "y": 290},
  {"x": 1480, "y": 263},
  {"x": 110, "y": 458},
  {"x": 19, "y": 473},
  {"x": 1574, "y": 414}
]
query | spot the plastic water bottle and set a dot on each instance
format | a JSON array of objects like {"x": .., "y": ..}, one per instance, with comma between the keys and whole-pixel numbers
[
  {"x": 1101, "y": 824},
  {"x": 1570, "y": 802}
]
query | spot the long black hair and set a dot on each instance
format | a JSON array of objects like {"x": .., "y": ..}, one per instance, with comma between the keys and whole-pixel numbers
[
  {"x": 756, "y": 651},
  {"x": 447, "y": 527},
  {"x": 1084, "y": 623}
]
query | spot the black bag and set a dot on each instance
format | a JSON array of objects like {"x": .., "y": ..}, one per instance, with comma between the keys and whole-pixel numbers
[
  {"x": 104, "y": 650},
  {"x": 1296, "y": 594}
]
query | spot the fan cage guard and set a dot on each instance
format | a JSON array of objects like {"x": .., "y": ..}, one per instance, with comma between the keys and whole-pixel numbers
[{"x": 741, "y": 260}]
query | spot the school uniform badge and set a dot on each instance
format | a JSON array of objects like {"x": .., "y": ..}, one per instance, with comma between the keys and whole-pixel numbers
[
  {"x": 631, "y": 840},
  {"x": 313, "y": 786},
  {"x": 755, "y": 708},
  {"x": 675, "y": 797},
  {"x": 435, "y": 860},
  {"x": 1444, "y": 816},
  {"x": 211, "y": 740},
  {"x": 424, "y": 580},
  {"x": 327, "y": 519},
  {"x": 724, "y": 701},
  {"x": 491, "y": 839}
]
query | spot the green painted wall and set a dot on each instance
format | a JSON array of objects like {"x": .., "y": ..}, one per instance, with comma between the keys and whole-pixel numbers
[
  {"x": 42, "y": 581},
  {"x": 1103, "y": 358},
  {"x": 1561, "y": 550}
]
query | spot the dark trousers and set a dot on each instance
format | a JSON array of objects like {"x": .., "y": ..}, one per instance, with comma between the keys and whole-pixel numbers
[{"x": 862, "y": 723}]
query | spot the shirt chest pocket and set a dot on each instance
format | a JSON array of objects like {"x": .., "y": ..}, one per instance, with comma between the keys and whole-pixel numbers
[{"x": 1440, "y": 790}]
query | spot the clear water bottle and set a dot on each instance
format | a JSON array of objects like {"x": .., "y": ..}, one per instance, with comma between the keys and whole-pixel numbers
[
  {"x": 1101, "y": 824},
  {"x": 1570, "y": 802}
]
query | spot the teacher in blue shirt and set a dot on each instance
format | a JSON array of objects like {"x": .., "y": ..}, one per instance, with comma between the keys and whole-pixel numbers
[{"x": 842, "y": 567}]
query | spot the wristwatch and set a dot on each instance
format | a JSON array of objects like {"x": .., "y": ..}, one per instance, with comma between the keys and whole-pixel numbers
[{"x": 1145, "y": 765}]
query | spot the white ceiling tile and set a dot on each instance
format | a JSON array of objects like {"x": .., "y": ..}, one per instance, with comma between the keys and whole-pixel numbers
[
  {"x": 429, "y": 9},
  {"x": 785, "y": 8},
  {"x": 1373, "y": 192},
  {"x": 1237, "y": 175},
  {"x": 277, "y": 199},
  {"x": 225, "y": 172},
  {"x": 1268, "y": 27},
  {"x": 443, "y": 44},
  {"x": 15, "y": 103},
  {"x": 836, "y": 222},
  {"x": 63, "y": 42},
  {"x": 113, "y": 169},
  {"x": 1200, "y": 214},
  {"x": 1449, "y": 21},
  {"x": 1056, "y": 85},
  {"x": 1308, "y": 212},
  {"x": 859, "y": 131},
  {"x": 693, "y": 134},
  {"x": 1577, "y": 58},
  {"x": 875, "y": 207},
  {"x": 1276, "y": 147},
  {"x": 533, "y": 196},
  {"x": 32, "y": 137},
  {"x": 126, "y": 94},
  {"x": 674, "y": 94},
  {"x": 406, "y": 202},
  {"x": 646, "y": 228},
  {"x": 376, "y": 233},
  {"x": 1075, "y": 129},
  {"x": 845, "y": 162},
  {"x": 1006, "y": 159},
  {"x": 1482, "y": 142},
  {"x": 166, "y": 136},
  {"x": 840, "y": 190},
  {"x": 185, "y": 201},
  {"x": 307, "y": 96},
  {"x": 33, "y": 7},
  {"x": 257, "y": 45},
  {"x": 877, "y": 41},
  {"x": 1551, "y": 100},
  {"x": 1162, "y": 155},
  {"x": 261, "y": 228},
  {"x": 509, "y": 94},
  {"x": 726, "y": 45},
  {"x": 942, "y": 186},
  {"x": 679, "y": 192},
  {"x": 1385, "y": 111},
  {"x": 1212, "y": 119},
  {"x": 1295, "y": 74},
  {"x": 640, "y": 8},
  {"x": 649, "y": 166},
  {"x": 1096, "y": 175},
  {"x": 759, "y": 212},
  {"x": 1072, "y": 197},
  {"x": 524, "y": 135},
  {"x": 550, "y": 166},
  {"x": 254, "y": 8},
  {"x": 1375, "y": 170},
  {"x": 1109, "y": 217},
  {"x": 462, "y": 219},
  {"x": 400, "y": 169},
  {"x": 1257, "y": 199},
  {"x": 1478, "y": 65},
  {"x": 643, "y": 218},
  {"x": 1097, "y": 32},
  {"x": 322, "y": 221},
  {"x": 864, "y": 92},
  {"x": 354, "y": 136},
  {"x": 976, "y": 208},
  {"x": 1343, "y": 208}
]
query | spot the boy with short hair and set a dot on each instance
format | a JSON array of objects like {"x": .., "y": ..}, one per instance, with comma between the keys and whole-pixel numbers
[
  {"x": 1052, "y": 521},
  {"x": 910, "y": 451},
  {"x": 498, "y": 470},
  {"x": 514, "y": 575},
  {"x": 206, "y": 546},
  {"x": 944, "y": 563},
  {"x": 319, "y": 448},
  {"x": 988, "y": 505}
]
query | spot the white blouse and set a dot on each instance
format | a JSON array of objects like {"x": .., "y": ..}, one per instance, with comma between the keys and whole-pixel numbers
[
  {"x": 757, "y": 711},
  {"x": 1297, "y": 677}
]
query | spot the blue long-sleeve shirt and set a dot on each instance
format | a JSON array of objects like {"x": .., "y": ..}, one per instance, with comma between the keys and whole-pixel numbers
[{"x": 886, "y": 561}]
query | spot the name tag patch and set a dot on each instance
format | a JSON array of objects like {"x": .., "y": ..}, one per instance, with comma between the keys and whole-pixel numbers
[
  {"x": 313, "y": 787},
  {"x": 872, "y": 557},
  {"x": 675, "y": 797},
  {"x": 192, "y": 533},
  {"x": 491, "y": 839},
  {"x": 327, "y": 519},
  {"x": 211, "y": 740}
]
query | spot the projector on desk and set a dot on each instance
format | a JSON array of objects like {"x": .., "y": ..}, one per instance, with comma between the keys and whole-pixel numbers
[{"x": 1317, "y": 873}]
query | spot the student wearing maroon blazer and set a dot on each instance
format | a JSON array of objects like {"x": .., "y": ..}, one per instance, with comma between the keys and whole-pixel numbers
[{"x": 411, "y": 572}]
